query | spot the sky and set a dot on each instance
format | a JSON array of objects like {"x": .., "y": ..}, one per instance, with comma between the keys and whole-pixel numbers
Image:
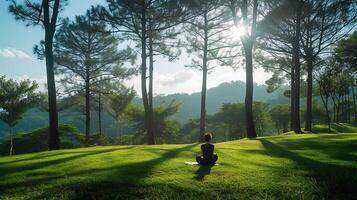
[{"x": 17, "y": 60}]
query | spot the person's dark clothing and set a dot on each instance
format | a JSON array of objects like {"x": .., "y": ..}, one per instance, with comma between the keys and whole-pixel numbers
[{"x": 207, "y": 157}]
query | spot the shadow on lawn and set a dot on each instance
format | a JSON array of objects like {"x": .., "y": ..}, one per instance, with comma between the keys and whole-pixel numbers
[
  {"x": 127, "y": 175},
  {"x": 202, "y": 171},
  {"x": 7, "y": 170},
  {"x": 49, "y": 154},
  {"x": 333, "y": 180}
]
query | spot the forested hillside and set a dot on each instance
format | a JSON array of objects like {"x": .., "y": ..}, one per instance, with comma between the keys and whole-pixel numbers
[{"x": 224, "y": 93}]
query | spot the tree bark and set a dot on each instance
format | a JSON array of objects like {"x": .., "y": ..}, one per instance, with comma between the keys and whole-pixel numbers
[
  {"x": 50, "y": 27},
  {"x": 100, "y": 113},
  {"x": 354, "y": 103},
  {"x": 87, "y": 109},
  {"x": 292, "y": 91},
  {"x": 11, "y": 141},
  {"x": 248, "y": 49},
  {"x": 296, "y": 63},
  {"x": 54, "y": 141},
  {"x": 151, "y": 83},
  {"x": 148, "y": 121},
  {"x": 308, "y": 119},
  {"x": 204, "y": 80}
]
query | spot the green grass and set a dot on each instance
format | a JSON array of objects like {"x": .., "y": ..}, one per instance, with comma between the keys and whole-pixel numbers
[{"x": 308, "y": 166}]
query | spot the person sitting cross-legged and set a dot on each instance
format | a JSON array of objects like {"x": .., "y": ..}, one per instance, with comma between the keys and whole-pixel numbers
[{"x": 208, "y": 156}]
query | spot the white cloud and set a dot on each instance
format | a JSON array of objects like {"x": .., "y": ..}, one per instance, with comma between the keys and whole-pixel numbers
[
  {"x": 174, "y": 79},
  {"x": 14, "y": 53}
]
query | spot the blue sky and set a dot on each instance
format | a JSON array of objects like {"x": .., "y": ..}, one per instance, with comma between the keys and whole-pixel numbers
[{"x": 18, "y": 61}]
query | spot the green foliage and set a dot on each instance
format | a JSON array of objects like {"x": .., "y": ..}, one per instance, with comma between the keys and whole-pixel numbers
[
  {"x": 261, "y": 118},
  {"x": 37, "y": 140},
  {"x": 166, "y": 129},
  {"x": 280, "y": 116},
  {"x": 117, "y": 102},
  {"x": 318, "y": 113},
  {"x": 16, "y": 98},
  {"x": 346, "y": 52}
]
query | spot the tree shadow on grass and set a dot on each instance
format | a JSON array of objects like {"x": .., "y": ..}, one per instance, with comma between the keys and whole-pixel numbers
[
  {"x": 6, "y": 170},
  {"x": 334, "y": 181},
  {"x": 49, "y": 154},
  {"x": 117, "y": 175},
  {"x": 202, "y": 171}
]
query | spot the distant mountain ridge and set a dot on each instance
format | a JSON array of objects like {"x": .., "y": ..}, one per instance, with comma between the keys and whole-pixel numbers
[{"x": 228, "y": 92}]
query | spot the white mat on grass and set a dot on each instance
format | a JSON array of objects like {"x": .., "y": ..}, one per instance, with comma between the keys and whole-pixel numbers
[{"x": 195, "y": 163}]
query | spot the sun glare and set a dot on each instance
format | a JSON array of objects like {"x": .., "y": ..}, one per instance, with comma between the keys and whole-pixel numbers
[{"x": 237, "y": 32}]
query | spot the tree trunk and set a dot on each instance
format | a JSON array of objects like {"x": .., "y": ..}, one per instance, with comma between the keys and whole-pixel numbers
[
  {"x": 148, "y": 121},
  {"x": 11, "y": 142},
  {"x": 354, "y": 103},
  {"x": 334, "y": 108},
  {"x": 204, "y": 80},
  {"x": 325, "y": 103},
  {"x": 309, "y": 95},
  {"x": 348, "y": 108},
  {"x": 87, "y": 109},
  {"x": 203, "y": 105},
  {"x": 296, "y": 63},
  {"x": 151, "y": 83},
  {"x": 54, "y": 141},
  {"x": 248, "y": 49},
  {"x": 292, "y": 89},
  {"x": 100, "y": 113}
]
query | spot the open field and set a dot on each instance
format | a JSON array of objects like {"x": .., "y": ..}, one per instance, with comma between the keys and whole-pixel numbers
[{"x": 308, "y": 166}]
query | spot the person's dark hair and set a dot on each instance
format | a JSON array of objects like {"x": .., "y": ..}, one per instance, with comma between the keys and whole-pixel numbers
[{"x": 208, "y": 136}]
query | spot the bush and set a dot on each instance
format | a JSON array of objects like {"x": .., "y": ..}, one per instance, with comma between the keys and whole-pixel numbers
[{"x": 37, "y": 140}]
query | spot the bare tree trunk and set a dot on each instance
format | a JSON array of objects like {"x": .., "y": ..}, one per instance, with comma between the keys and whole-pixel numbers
[
  {"x": 204, "y": 81},
  {"x": 347, "y": 107},
  {"x": 148, "y": 121},
  {"x": 309, "y": 96},
  {"x": 100, "y": 113},
  {"x": 51, "y": 86},
  {"x": 296, "y": 62},
  {"x": 151, "y": 83},
  {"x": 87, "y": 109},
  {"x": 251, "y": 133},
  {"x": 354, "y": 102},
  {"x": 292, "y": 91},
  {"x": 325, "y": 103},
  {"x": 338, "y": 108},
  {"x": 11, "y": 141}
]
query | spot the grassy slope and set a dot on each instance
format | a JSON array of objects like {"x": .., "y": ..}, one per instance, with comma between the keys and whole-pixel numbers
[{"x": 309, "y": 166}]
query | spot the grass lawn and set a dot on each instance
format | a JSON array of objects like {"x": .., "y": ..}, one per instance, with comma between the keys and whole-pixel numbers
[{"x": 308, "y": 166}]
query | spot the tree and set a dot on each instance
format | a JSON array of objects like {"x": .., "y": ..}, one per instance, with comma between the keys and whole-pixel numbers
[
  {"x": 248, "y": 40},
  {"x": 87, "y": 55},
  {"x": 261, "y": 118},
  {"x": 346, "y": 55},
  {"x": 276, "y": 48},
  {"x": 246, "y": 15},
  {"x": 144, "y": 22},
  {"x": 324, "y": 23},
  {"x": 165, "y": 128},
  {"x": 346, "y": 52},
  {"x": 280, "y": 115},
  {"x": 44, "y": 14},
  {"x": 163, "y": 19},
  {"x": 232, "y": 115},
  {"x": 207, "y": 39},
  {"x": 118, "y": 102},
  {"x": 296, "y": 66},
  {"x": 15, "y": 99}
]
